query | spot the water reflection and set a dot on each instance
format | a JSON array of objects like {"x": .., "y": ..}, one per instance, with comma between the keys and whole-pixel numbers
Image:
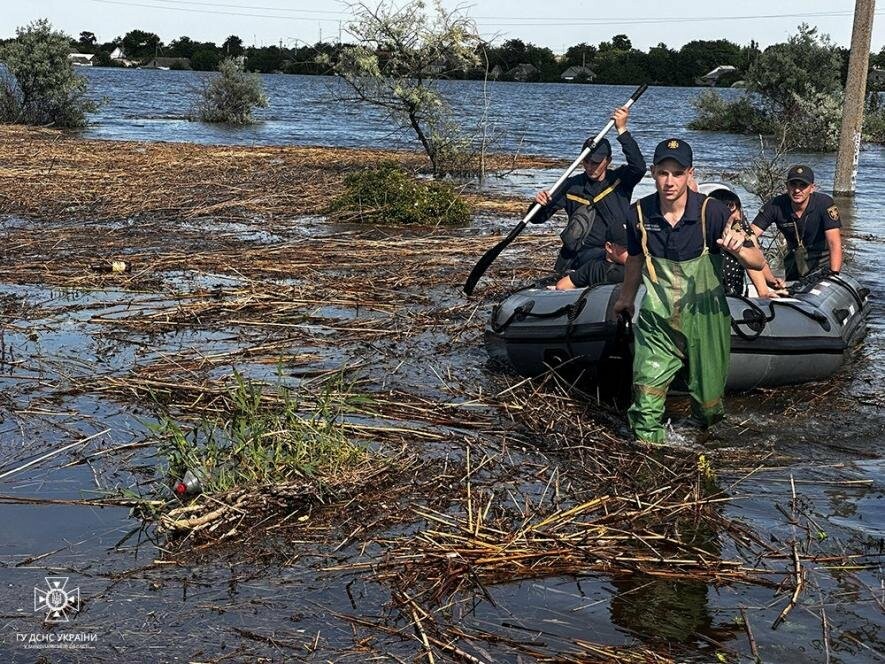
[{"x": 661, "y": 608}]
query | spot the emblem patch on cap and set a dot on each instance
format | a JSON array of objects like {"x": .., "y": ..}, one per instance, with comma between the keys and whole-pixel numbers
[
  {"x": 833, "y": 212},
  {"x": 673, "y": 145},
  {"x": 800, "y": 170}
]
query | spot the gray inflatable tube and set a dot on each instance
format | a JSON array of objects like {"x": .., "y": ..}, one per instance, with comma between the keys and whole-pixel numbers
[{"x": 804, "y": 337}]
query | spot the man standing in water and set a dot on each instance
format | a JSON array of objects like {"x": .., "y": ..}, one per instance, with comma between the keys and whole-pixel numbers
[
  {"x": 809, "y": 221},
  {"x": 675, "y": 238},
  {"x": 595, "y": 199}
]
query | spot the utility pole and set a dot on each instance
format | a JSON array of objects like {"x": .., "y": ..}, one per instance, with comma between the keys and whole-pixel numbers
[{"x": 855, "y": 93}]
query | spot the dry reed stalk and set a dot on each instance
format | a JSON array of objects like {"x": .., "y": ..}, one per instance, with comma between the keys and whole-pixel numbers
[{"x": 56, "y": 175}]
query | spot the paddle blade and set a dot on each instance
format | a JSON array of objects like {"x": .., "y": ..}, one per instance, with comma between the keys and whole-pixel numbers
[{"x": 488, "y": 258}]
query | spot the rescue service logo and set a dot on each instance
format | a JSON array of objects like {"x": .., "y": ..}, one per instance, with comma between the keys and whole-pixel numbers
[
  {"x": 833, "y": 212},
  {"x": 673, "y": 145},
  {"x": 56, "y": 600}
]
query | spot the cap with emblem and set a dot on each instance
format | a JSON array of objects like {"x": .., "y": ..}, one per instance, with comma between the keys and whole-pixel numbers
[
  {"x": 801, "y": 173},
  {"x": 603, "y": 150},
  {"x": 673, "y": 148}
]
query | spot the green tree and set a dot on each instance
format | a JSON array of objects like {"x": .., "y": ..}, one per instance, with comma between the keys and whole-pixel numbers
[
  {"x": 698, "y": 57},
  {"x": 206, "y": 58},
  {"x": 231, "y": 95},
  {"x": 784, "y": 74},
  {"x": 141, "y": 45},
  {"x": 399, "y": 53},
  {"x": 661, "y": 65},
  {"x": 43, "y": 88},
  {"x": 233, "y": 47},
  {"x": 621, "y": 43},
  {"x": 86, "y": 42},
  {"x": 265, "y": 60},
  {"x": 579, "y": 55},
  {"x": 183, "y": 47},
  {"x": 618, "y": 43},
  {"x": 617, "y": 67}
]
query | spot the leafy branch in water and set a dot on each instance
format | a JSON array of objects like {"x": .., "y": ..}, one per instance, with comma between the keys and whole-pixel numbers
[{"x": 398, "y": 56}]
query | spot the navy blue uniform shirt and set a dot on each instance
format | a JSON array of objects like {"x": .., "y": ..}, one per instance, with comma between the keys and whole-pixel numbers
[
  {"x": 596, "y": 272},
  {"x": 579, "y": 190},
  {"x": 820, "y": 215},
  {"x": 683, "y": 241}
]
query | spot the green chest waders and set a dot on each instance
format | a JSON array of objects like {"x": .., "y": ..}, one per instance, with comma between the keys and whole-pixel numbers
[{"x": 684, "y": 319}]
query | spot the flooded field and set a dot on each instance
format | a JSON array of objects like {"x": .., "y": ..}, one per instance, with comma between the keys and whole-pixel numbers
[{"x": 509, "y": 521}]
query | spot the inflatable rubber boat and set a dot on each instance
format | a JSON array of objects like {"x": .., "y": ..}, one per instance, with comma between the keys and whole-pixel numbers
[{"x": 803, "y": 337}]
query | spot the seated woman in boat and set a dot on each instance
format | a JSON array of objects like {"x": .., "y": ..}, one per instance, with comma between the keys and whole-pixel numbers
[
  {"x": 607, "y": 269},
  {"x": 732, "y": 270}
]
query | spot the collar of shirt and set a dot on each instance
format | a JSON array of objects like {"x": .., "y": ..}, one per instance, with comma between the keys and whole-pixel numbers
[
  {"x": 812, "y": 203},
  {"x": 596, "y": 186},
  {"x": 691, "y": 214}
]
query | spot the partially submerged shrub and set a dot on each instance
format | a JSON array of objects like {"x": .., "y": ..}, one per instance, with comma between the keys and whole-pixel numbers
[
  {"x": 386, "y": 193},
  {"x": 263, "y": 441},
  {"x": 874, "y": 120},
  {"x": 231, "y": 95},
  {"x": 793, "y": 93},
  {"x": 740, "y": 116},
  {"x": 39, "y": 85}
]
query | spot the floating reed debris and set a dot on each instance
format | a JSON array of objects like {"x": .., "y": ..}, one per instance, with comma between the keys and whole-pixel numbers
[
  {"x": 48, "y": 174},
  {"x": 262, "y": 463}
]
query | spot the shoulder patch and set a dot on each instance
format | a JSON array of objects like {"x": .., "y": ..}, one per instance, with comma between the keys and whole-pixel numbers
[{"x": 833, "y": 213}]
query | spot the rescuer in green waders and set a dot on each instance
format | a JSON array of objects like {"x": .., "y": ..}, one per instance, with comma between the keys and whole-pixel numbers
[{"x": 675, "y": 240}]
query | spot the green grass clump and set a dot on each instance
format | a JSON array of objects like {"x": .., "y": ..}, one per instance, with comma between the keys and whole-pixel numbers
[
  {"x": 387, "y": 194},
  {"x": 265, "y": 440}
]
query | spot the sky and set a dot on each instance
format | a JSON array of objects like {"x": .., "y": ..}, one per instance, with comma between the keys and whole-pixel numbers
[{"x": 556, "y": 24}]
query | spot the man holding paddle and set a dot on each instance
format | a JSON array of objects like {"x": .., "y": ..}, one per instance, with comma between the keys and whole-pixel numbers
[
  {"x": 675, "y": 238},
  {"x": 595, "y": 200}
]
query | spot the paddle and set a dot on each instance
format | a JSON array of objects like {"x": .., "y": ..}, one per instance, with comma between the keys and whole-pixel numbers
[{"x": 487, "y": 258}]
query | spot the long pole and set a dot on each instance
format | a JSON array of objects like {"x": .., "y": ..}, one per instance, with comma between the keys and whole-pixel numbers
[
  {"x": 489, "y": 256},
  {"x": 853, "y": 106}
]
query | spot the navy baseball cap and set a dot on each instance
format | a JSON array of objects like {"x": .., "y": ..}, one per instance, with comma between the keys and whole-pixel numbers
[
  {"x": 603, "y": 150},
  {"x": 801, "y": 173},
  {"x": 673, "y": 148}
]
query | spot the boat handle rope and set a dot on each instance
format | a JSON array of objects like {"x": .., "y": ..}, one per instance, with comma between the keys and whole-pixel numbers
[
  {"x": 760, "y": 318},
  {"x": 524, "y": 311},
  {"x": 818, "y": 317},
  {"x": 854, "y": 294}
]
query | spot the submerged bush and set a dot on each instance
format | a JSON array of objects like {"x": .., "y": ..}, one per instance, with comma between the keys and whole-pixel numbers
[
  {"x": 230, "y": 95},
  {"x": 874, "y": 120},
  {"x": 265, "y": 440},
  {"x": 386, "y": 193},
  {"x": 740, "y": 116},
  {"x": 39, "y": 85}
]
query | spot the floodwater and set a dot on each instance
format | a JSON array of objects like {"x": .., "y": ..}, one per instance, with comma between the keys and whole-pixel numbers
[{"x": 151, "y": 613}]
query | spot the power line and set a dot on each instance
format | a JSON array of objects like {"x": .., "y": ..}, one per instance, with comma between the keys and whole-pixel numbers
[
  {"x": 218, "y": 12},
  {"x": 683, "y": 19},
  {"x": 502, "y": 21},
  {"x": 273, "y": 9}
]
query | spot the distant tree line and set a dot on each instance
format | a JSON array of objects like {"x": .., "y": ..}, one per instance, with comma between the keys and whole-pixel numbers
[{"x": 613, "y": 62}]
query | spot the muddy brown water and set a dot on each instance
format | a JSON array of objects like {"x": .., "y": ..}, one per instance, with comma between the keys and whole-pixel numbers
[{"x": 284, "y": 607}]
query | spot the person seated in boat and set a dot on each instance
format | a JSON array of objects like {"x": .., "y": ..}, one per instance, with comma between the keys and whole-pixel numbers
[
  {"x": 599, "y": 194},
  {"x": 609, "y": 269},
  {"x": 675, "y": 238},
  {"x": 809, "y": 221},
  {"x": 732, "y": 270}
]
